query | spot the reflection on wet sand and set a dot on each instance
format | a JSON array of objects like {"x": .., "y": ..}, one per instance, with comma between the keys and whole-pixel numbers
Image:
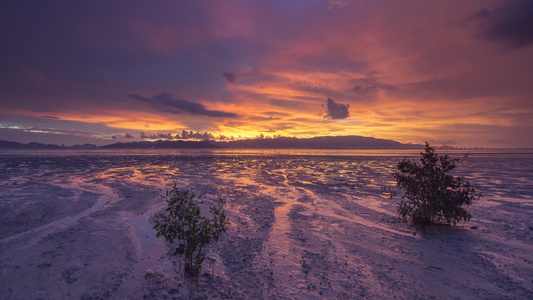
[{"x": 303, "y": 225}]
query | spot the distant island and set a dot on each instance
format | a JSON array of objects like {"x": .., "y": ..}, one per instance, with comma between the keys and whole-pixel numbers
[{"x": 323, "y": 142}]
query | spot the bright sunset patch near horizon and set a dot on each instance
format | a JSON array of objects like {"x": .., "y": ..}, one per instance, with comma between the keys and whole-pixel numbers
[{"x": 454, "y": 72}]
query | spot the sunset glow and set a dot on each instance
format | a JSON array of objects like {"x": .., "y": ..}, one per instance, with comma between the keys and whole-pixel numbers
[{"x": 454, "y": 72}]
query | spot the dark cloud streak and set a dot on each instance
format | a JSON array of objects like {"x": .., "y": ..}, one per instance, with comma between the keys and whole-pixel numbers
[
  {"x": 232, "y": 77},
  {"x": 166, "y": 103},
  {"x": 370, "y": 85},
  {"x": 363, "y": 90}
]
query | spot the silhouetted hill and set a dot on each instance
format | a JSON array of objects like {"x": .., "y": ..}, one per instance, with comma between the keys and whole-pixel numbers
[
  {"x": 84, "y": 146},
  {"x": 33, "y": 145},
  {"x": 323, "y": 142}
]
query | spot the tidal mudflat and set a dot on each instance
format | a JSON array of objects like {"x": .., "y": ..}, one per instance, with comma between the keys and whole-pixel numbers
[{"x": 304, "y": 225}]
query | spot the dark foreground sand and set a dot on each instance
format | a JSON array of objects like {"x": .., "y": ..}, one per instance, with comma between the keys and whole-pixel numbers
[{"x": 79, "y": 228}]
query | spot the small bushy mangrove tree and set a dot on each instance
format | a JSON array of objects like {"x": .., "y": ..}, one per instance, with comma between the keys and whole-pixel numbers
[
  {"x": 183, "y": 222},
  {"x": 430, "y": 193}
]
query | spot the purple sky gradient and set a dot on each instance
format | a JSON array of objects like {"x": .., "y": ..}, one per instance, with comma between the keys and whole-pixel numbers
[{"x": 455, "y": 72}]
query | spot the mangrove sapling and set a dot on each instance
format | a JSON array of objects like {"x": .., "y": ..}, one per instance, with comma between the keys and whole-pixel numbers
[
  {"x": 430, "y": 193},
  {"x": 183, "y": 222}
]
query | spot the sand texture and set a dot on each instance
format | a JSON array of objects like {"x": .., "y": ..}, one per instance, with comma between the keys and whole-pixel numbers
[{"x": 302, "y": 227}]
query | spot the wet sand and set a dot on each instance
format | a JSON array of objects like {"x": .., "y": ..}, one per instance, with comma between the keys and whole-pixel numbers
[{"x": 302, "y": 227}]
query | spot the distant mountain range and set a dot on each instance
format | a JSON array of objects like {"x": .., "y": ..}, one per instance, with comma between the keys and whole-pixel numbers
[
  {"x": 324, "y": 142},
  {"x": 34, "y": 145}
]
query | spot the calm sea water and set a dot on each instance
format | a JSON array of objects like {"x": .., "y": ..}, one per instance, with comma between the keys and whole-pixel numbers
[{"x": 267, "y": 152}]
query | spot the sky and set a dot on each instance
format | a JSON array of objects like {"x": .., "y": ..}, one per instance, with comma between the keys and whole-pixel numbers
[{"x": 455, "y": 72}]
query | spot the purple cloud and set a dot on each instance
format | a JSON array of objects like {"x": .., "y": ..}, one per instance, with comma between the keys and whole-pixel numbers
[
  {"x": 230, "y": 77},
  {"x": 336, "y": 111},
  {"x": 369, "y": 85},
  {"x": 511, "y": 23},
  {"x": 166, "y": 103}
]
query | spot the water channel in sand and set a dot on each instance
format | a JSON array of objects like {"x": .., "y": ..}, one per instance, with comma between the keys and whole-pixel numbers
[{"x": 152, "y": 249}]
